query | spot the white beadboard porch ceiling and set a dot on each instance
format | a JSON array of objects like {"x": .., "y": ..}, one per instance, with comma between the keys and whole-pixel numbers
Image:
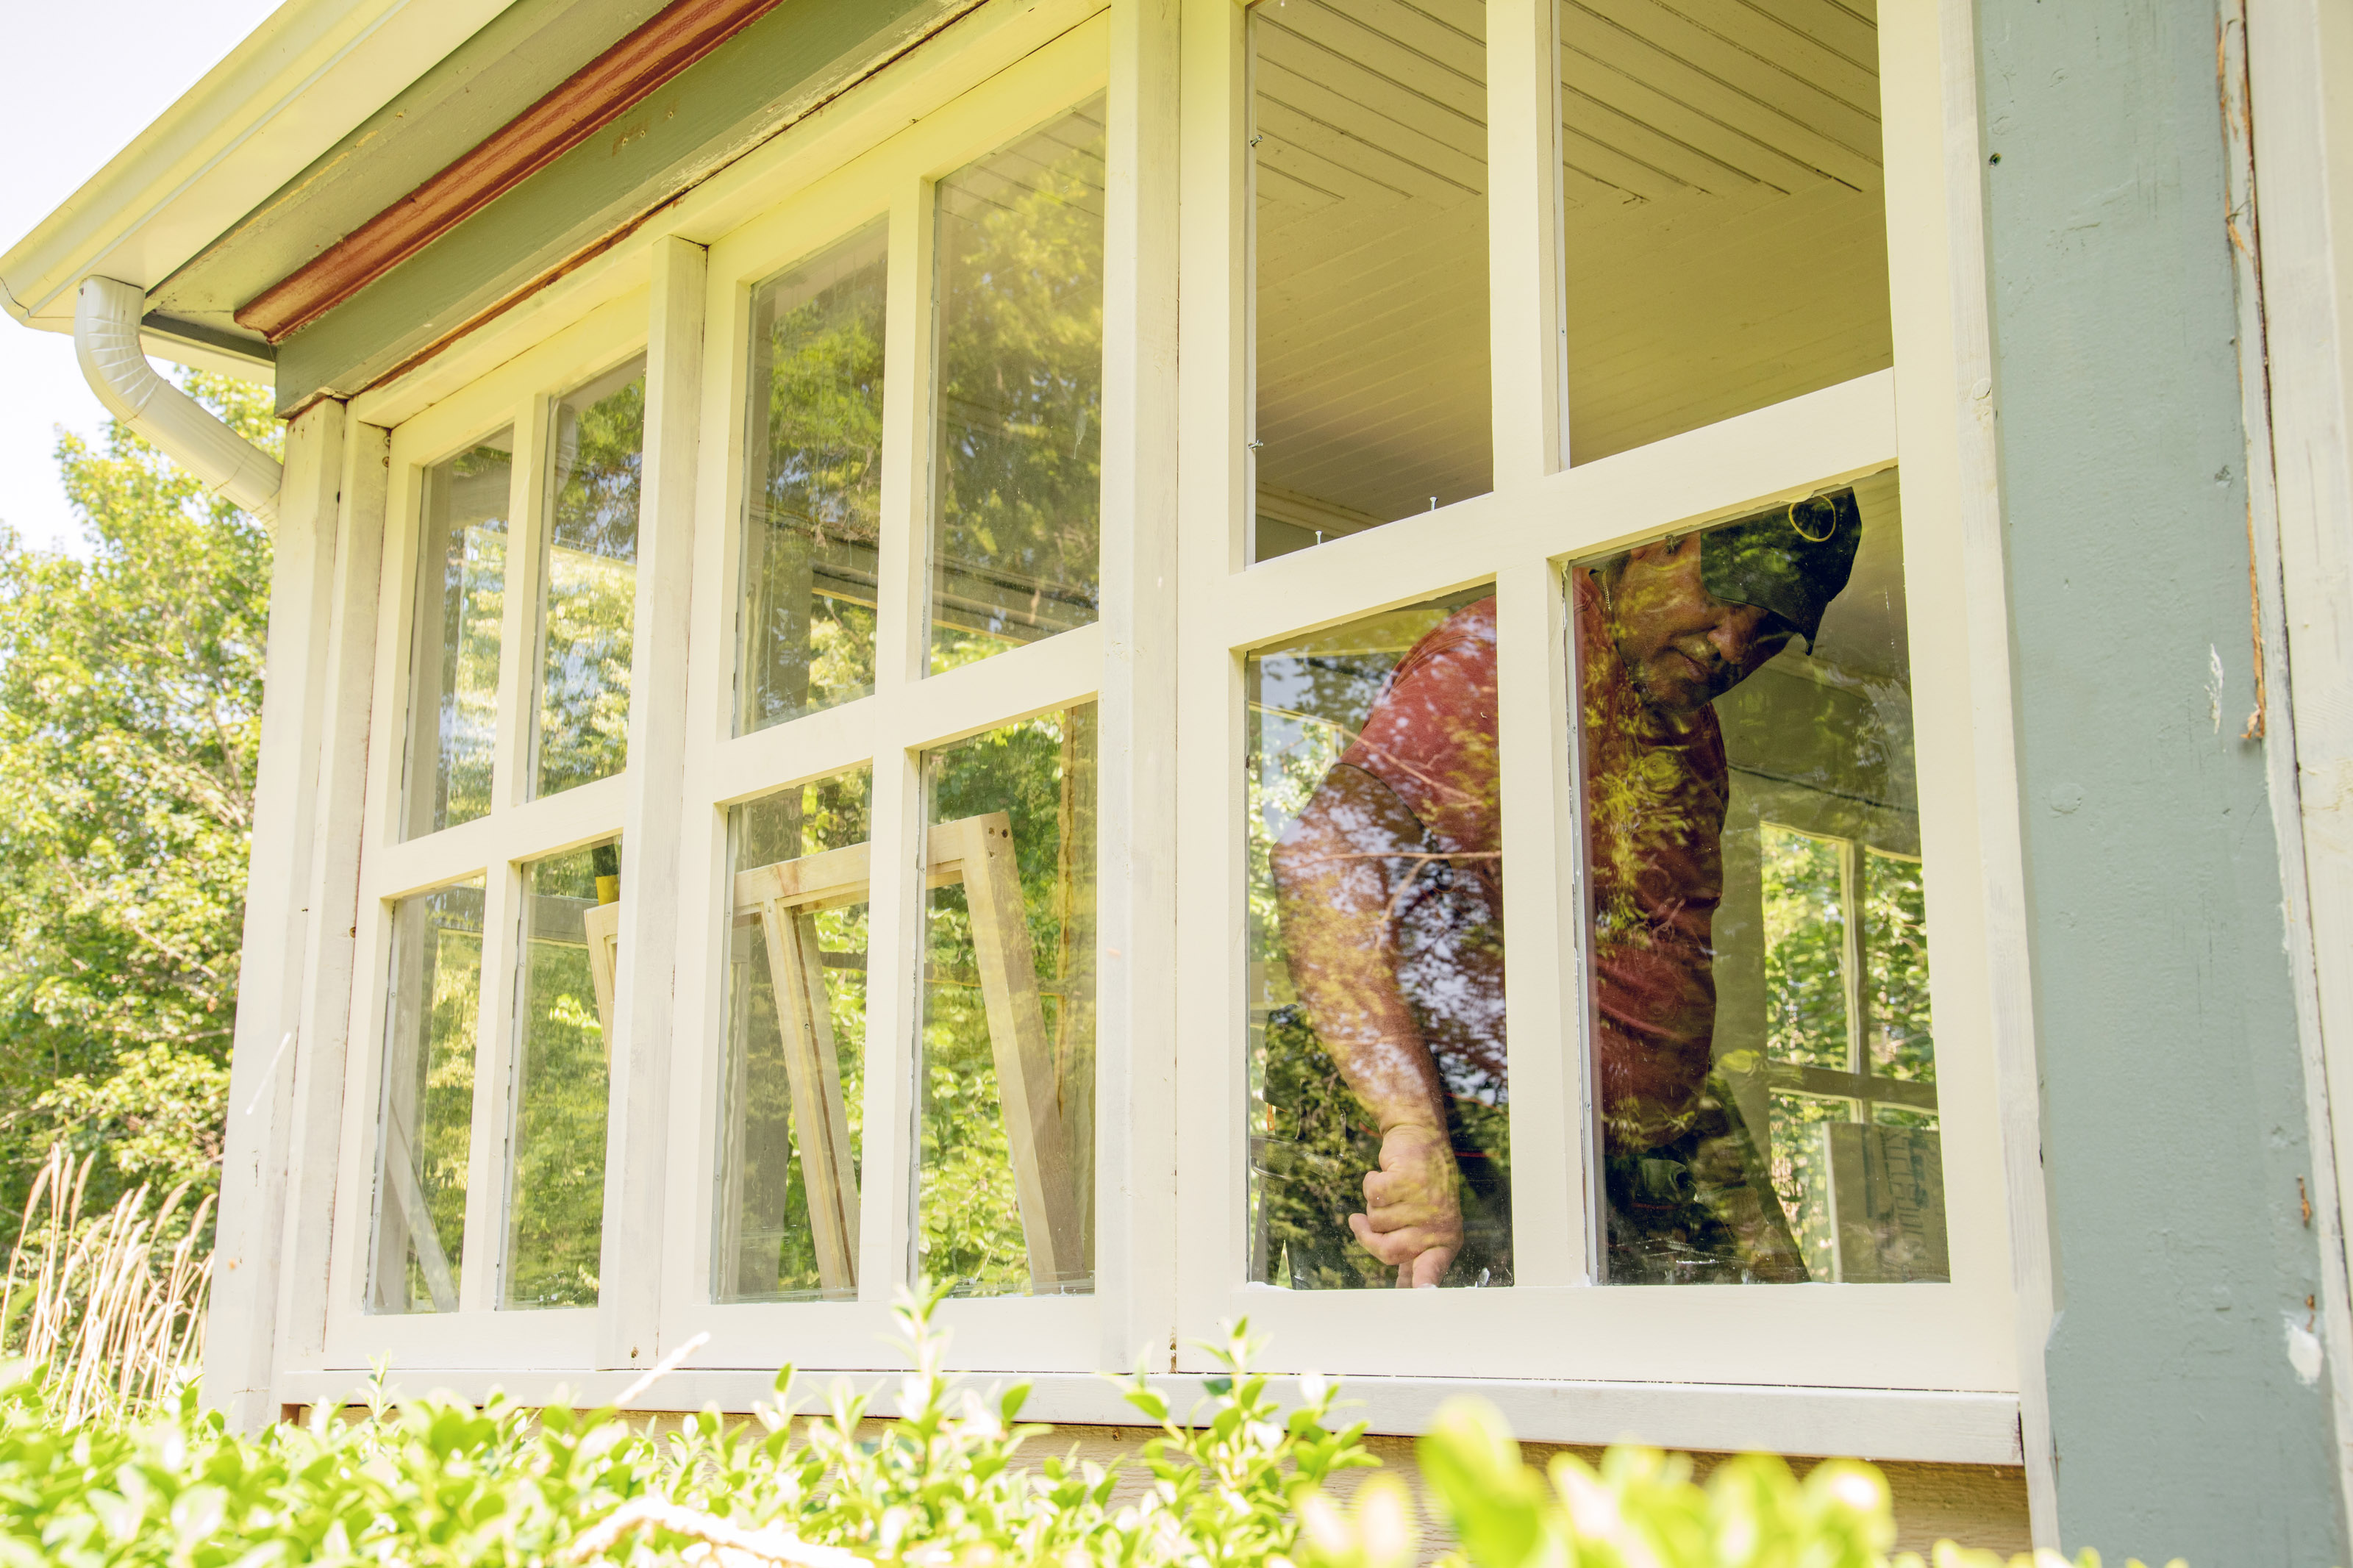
[{"x": 1726, "y": 241}]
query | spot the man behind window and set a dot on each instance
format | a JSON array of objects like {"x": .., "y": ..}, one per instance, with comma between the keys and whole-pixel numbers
[{"x": 1390, "y": 887}]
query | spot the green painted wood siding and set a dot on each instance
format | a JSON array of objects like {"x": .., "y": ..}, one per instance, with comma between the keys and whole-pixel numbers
[{"x": 2174, "y": 1129}]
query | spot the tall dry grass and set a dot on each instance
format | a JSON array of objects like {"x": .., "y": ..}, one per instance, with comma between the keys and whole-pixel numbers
[{"x": 118, "y": 1321}]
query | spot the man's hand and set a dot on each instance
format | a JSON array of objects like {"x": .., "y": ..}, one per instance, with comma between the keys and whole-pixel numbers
[{"x": 1413, "y": 1220}]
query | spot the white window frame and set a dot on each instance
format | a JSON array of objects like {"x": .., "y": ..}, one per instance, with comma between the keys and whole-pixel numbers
[
  {"x": 1554, "y": 1322},
  {"x": 494, "y": 848},
  {"x": 1181, "y": 610},
  {"x": 909, "y": 713}
]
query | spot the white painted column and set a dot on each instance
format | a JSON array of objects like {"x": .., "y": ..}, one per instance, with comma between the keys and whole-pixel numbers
[
  {"x": 628, "y": 1306},
  {"x": 1214, "y": 512},
  {"x": 345, "y": 670},
  {"x": 240, "y": 1339},
  {"x": 1135, "y": 1050},
  {"x": 1954, "y": 573}
]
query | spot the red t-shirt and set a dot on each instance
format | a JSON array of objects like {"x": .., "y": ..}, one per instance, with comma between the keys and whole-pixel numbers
[{"x": 1655, "y": 791}]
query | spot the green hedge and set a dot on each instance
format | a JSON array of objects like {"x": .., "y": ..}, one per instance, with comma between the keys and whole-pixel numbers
[{"x": 1238, "y": 1481}]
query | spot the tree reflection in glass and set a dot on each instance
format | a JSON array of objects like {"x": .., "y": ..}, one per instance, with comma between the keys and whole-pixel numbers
[
  {"x": 768, "y": 1245},
  {"x": 812, "y": 484},
  {"x": 1005, "y": 1069},
  {"x": 588, "y": 579},
  {"x": 425, "y": 1122},
  {"x": 556, "y": 1175},
  {"x": 1015, "y": 519},
  {"x": 461, "y": 572}
]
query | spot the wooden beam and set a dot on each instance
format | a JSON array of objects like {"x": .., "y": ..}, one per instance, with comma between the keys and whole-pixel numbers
[
  {"x": 1026, "y": 1091},
  {"x": 813, "y": 1074},
  {"x": 602, "y": 926},
  {"x": 584, "y": 103}
]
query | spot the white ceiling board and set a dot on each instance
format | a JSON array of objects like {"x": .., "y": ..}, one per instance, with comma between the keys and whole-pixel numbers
[
  {"x": 1759, "y": 272},
  {"x": 1372, "y": 253},
  {"x": 1725, "y": 243}
]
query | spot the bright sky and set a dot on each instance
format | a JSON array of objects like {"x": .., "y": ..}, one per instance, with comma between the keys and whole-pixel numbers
[{"x": 60, "y": 129}]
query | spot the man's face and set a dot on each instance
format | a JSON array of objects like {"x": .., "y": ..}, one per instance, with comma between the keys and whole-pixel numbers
[{"x": 1683, "y": 646}]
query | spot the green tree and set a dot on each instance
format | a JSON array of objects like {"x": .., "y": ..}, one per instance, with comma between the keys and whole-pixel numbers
[{"x": 129, "y": 716}]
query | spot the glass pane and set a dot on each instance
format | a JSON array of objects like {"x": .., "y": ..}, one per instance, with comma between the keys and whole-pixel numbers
[
  {"x": 564, "y": 996},
  {"x": 1725, "y": 222},
  {"x": 1370, "y": 125},
  {"x": 588, "y": 584},
  {"x": 1006, "y": 1065},
  {"x": 812, "y": 485},
  {"x": 1765, "y": 1068},
  {"x": 795, "y": 1095},
  {"x": 1016, "y": 524},
  {"x": 1380, "y": 1149},
  {"x": 461, "y": 575},
  {"x": 426, "y": 1130}
]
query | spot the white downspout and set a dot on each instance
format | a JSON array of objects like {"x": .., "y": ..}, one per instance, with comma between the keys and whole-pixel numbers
[{"x": 106, "y": 341}]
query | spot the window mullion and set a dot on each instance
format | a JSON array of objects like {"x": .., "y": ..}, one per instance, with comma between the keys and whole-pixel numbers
[
  {"x": 1523, "y": 240},
  {"x": 1136, "y": 1139},
  {"x": 486, "y": 1183},
  {"x": 894, "y": 911},
  {"x": 518, "y": 718},
  {"x": 1552, "y": 1227},
  {"x": 653, "y": 815}
]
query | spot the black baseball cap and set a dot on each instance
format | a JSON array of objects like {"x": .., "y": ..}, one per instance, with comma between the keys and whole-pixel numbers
[{"x": 1791, "y": 559}]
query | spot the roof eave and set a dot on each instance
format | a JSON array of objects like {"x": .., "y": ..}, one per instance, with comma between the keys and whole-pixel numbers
[{"x": 309, "y": 75}]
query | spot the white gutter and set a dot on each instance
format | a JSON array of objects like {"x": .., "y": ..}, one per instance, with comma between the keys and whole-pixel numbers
[{"x": 106, "y": 341}]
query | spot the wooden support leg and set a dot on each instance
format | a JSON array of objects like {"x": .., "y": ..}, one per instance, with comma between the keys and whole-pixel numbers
[
  {"x": 1026, "y": 1084},
  {"x": 400, "y": 1174},
  {"x": 796, "y": 967},
  {"x": 601, "y": 925}
]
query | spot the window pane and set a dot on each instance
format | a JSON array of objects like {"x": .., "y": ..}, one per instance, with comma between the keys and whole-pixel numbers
[
  {"x": 425, "y": 1137},
  {"x": 812, "y": 485},
  {"x": 795, "y": 1095},
  {"x": 1765, "y": 1068},
  {"x": 1724, "y": 225},
  {"x": 1005, "y": 1067},
  {"x": 563, "y": 999},
  {"x": 1370, "y": 123},
  {"x": 1377, "y": 955},
  {"x": 588, "y": 585},
  {"x": 1016, "y": 521},
  {"x": 461, "y": 572}
]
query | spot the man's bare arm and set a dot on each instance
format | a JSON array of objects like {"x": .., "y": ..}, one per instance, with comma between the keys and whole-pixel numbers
[{"x": 1338, "y": 877}]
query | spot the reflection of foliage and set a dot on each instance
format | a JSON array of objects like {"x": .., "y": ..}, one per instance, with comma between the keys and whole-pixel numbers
[
  {"x": 1020, "y": 390},
  {"x": 1304, "y": 713},
  {"x": 1311, "y": 1145},
  {"x": 462, "y": 608},
  {"x": 1802, "y": 1173},
  {"x": 446, "y": 1119},
  {"x": 813, "y": 484},
  {"x": 429, "y": 1076},
  {"x": 555, "y": 1228},
  {"x": 583, "y": 713},
  {"x": 1895, "y": 966},
  {"x": 1805, "y": 949},
  {"x": 1041, "y": 773},
  {"x": 1806, "y": 903},
  {"x": 772, "y": 1255}
]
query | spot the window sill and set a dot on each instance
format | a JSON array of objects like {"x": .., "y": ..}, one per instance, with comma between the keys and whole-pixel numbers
[{"x": 1927, "y": 1425}]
